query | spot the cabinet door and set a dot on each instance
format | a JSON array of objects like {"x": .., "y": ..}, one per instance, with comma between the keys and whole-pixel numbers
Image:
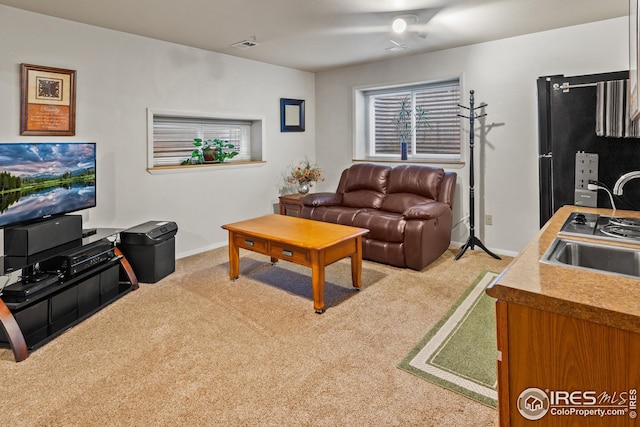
[
  {"x": 64, "y": 308},
  {"x": 109, "y": 284},
  {"x": 88, "y": 296},
  {"x": 565, "y": 371},
  {"x": 33, "y": 322}
]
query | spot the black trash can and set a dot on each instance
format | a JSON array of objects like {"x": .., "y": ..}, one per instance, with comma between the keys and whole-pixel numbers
[{"x": 150, "y": 249}]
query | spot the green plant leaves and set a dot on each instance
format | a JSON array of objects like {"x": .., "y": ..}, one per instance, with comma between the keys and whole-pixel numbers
[
  {"x": 214, "y": 148},
  {"x": 403, "y": 121}
]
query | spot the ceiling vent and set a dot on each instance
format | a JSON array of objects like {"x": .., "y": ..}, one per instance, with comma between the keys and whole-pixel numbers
[{"x": 246, "y": 44}]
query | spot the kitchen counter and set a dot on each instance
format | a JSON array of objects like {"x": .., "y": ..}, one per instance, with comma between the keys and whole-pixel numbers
[
  {"x": 567, "y": 338},
  {"x": 598, "y": 297}
]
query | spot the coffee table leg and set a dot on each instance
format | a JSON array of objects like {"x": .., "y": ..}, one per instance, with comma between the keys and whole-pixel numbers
[
  {"x": 234, "y": 258},
  {"x": 356, "y": 264},
  {"x": 317, "y": 280}
]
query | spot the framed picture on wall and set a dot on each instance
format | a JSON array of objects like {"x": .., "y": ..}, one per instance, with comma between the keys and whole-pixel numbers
[
  {"x": 634, "y": 67},
  {"x": 291, "y": 115},
  {"x": 47, "y": 101}
]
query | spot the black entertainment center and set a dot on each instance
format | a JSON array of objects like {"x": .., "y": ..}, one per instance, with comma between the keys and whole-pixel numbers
[
  {"x": 56, "y": 274},
  {"x": 60, "y": 287}
]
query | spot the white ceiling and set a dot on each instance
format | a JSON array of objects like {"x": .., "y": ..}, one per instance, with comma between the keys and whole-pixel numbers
[{"x": 316, "y": 35}]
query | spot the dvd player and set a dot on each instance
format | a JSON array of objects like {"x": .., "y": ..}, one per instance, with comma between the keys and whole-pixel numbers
[
  {"x": 20, "y": 291},
  {"x": 74, "y": 262}
]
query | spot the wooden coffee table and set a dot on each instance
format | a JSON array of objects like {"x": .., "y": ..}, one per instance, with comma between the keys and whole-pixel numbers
[{"x": 302, "y": 241}]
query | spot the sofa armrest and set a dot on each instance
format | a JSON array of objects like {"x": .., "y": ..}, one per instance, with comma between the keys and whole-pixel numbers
[
  {"x": 428, "y": 210},
  {"x": 322, "y": 199}
]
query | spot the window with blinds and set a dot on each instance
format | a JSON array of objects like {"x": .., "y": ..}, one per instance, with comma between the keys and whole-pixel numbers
[
  {"x": 438, "y": 139},
  {"x": 173, "y": 137}
]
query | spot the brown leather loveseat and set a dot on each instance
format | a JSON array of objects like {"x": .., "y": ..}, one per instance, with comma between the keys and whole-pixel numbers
[{"x": 407, "y": 209}]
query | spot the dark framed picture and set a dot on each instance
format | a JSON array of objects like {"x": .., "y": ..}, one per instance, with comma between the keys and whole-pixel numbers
[
  {"x": 291, "y": 115},
  {"x": 47, "y": 101}
]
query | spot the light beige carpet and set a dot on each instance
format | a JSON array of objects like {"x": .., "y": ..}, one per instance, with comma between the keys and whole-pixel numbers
[
  {"x": 460, "y": 353},
  {"x": 197, "y": 349}
]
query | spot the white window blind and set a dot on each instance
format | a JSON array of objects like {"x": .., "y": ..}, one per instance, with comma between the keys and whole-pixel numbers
[
  {"x": 440, "y": 138},
  {"x": 173, "y": 137}
]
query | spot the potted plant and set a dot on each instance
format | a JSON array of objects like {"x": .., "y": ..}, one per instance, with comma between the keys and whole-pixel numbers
[
  {"x": 405, "y": 124},
  {"x": 210, "y": 151},
  {"x": 305, "y": 174}
]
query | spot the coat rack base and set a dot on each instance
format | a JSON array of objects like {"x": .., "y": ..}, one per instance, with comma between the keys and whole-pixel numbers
[{"x": 470, "y": 244}]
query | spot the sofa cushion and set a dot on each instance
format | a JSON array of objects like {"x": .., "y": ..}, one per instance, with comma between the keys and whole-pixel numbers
[
  {"x": 367, "y": 177},
  {"x": 384, "y": 226},
  {"x": 421, "y": 180},
  {"x": 400, "y": 202},
  {"x": 363, "y": 199},
  {"x": 365, "y": 186},
  {"x": 335, "y": 214},
  {"x": 322, "y": 199},
  {"x": 428, "y": 210}
]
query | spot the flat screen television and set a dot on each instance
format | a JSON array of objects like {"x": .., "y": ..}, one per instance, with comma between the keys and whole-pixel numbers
[{"x": 45, "y": 179}]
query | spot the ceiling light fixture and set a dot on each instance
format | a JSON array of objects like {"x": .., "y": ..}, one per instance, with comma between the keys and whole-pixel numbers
[{"x": 399, "y": 25}]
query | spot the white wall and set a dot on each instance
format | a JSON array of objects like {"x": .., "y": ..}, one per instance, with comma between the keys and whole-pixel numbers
[
  {"x": 119, "y": 76},
  {"x": 503, "y": 75}
]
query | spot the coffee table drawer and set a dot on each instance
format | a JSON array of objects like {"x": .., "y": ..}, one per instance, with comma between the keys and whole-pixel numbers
[
  {"x": 290, "y": 253},
  {"x": 251, "y": 243}
]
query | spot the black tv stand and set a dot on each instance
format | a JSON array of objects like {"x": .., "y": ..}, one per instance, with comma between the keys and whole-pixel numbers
[{"x": 60, "y": 301}]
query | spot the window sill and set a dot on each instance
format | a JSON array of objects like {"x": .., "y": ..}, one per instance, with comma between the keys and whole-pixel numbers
[
  {"x": 160, "y": 170},
  {"x": 449, "y": 163}
]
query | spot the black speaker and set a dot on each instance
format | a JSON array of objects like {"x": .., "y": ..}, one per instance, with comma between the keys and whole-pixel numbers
[
  {"x": 151, "y": 262},
  {"x": 29, "y": 239}
]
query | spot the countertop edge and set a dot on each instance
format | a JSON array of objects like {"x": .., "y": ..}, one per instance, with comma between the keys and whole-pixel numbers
[{"x": 597, "y": 297}]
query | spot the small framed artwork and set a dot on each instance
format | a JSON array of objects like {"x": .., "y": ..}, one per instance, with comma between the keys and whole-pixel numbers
[
  {"x": 47, "y": 101},
  {"x": 291, "y": 115}
]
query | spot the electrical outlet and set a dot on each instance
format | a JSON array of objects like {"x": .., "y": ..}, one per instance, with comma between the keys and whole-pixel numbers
[
  {"x": 488, "y": 219},
  {"x": 586, "y": 169}
]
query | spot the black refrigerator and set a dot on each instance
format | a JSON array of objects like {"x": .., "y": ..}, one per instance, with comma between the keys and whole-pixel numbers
[{"x": 566, "y": 127}]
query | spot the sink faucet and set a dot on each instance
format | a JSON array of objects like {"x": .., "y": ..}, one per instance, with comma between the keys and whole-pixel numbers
[{"x": 617, "y": 188}]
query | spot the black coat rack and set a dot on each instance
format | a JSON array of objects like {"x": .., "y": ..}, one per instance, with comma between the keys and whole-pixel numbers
[{"x": 473, "y": 240}]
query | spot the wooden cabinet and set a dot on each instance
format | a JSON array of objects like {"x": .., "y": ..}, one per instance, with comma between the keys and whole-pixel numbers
[
  {"x": 291, "y": 204},
  {"x": 569, "y": 339},
  {"x": 558, "y": 370}
]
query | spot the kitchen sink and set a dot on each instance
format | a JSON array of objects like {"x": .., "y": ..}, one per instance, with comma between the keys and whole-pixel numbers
[{"x": 592, "y": 256}]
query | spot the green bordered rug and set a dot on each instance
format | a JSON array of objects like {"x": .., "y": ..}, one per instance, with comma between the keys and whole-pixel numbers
[{"x": 460, "y": 353}]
